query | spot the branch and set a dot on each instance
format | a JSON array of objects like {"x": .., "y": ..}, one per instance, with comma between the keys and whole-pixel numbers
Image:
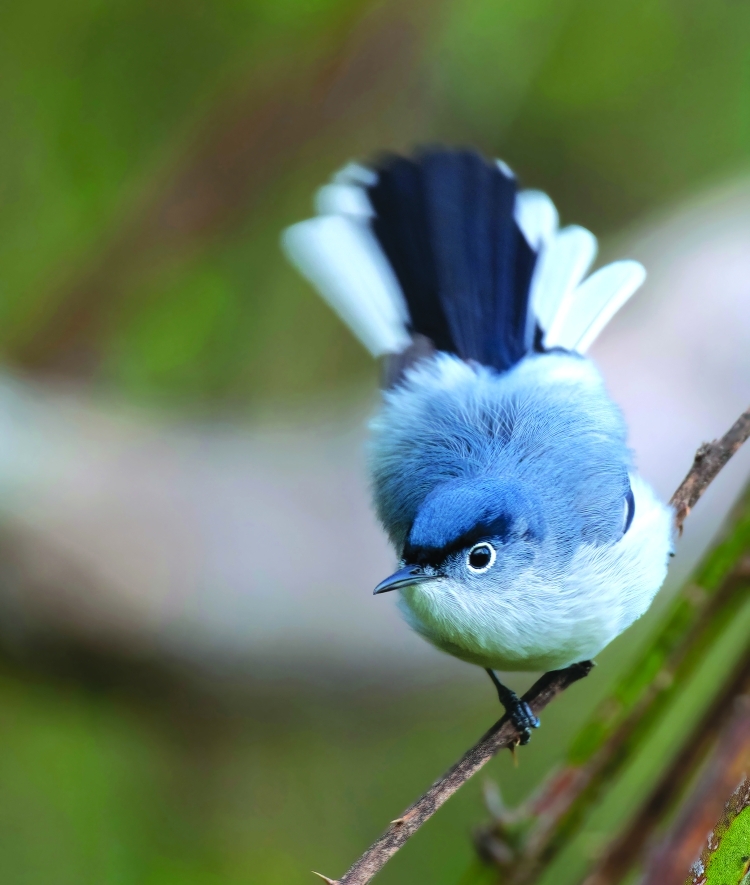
[
  {"x": 728, "y": 765},
  {"x": 708, "y": 461},
  {"x": 501, "y": 735},
  {"x": 728, "y": 718},
  {"x": 731, "y": 821}
]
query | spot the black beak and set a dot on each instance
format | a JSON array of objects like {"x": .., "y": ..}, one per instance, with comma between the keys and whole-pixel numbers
[{"x": 404, "y": 577}]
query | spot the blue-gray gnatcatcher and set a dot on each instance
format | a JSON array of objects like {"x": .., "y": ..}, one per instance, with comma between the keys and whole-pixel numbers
[{"x": 499, "y": 464}]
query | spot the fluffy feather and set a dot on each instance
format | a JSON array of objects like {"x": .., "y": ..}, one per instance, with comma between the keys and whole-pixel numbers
[
  {"x": 549, "y": 425},
  {"x": 451, "y": 420}
]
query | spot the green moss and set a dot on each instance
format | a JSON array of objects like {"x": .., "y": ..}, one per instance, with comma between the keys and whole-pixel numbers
[{"x": 728, "y": 865}]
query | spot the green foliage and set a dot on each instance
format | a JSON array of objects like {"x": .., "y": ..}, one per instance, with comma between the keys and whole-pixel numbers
[
  {"x": 101, "y": 789},
  {"x": 614, "y": 108},
  {"x": 96, "y": 98}
]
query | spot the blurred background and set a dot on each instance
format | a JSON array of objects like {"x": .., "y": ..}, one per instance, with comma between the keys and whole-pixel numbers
[{"x": 196, "y": 685}]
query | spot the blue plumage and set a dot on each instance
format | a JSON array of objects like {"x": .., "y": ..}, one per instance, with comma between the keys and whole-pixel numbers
[
  {"x": 499, "y": 465},
  {"x": 451, "y": 421}
]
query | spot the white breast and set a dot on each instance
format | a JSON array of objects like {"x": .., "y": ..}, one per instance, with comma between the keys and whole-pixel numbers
[{"x": 547, "y": 621}]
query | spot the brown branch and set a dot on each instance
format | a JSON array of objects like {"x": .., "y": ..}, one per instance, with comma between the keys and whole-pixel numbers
[
  {"x": 501, "y": 735},
  {"x": 728, "y": 719},
  {"x": 559, "y": 808},
  {"x": 729, "y": 763},
  {"x": 708, "y": 461}
]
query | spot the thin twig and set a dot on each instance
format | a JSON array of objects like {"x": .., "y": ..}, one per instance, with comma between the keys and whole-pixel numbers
[
  {"x": 708, "y": 461},
  {"x": 501, "y": 735}
]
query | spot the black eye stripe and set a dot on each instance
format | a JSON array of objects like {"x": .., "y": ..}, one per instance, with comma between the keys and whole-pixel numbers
[{"x": 496, "y": 528}]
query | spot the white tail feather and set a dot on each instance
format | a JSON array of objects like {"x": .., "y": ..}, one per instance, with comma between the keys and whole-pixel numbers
[
  {"x": 537, "y": 217},
  {"x": 355, "y": 173},
  {"x": 561, "y": 267},
  {"x": 343, "y": 199},
  {"x": 338, "y": 253},
  {"x": 505, "y": 169},
  {"x": 586, "y": 310},
  {"x": 344, "y": 262}
]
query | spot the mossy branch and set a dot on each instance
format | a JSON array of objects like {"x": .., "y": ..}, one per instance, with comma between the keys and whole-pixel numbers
[
  {"x": 725, "y": 858},
  {"x": 725, "y": 727}
]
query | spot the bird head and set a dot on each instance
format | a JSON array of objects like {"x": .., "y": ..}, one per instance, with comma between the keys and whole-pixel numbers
[{"x": 473, "y": 532}]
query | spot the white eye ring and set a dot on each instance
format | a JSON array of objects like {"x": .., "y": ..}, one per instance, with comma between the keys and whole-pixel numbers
[{"x": 483, "y": 546}]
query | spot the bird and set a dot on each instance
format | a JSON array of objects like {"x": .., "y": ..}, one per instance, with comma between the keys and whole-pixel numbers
[{"x": 499, "y": 464}]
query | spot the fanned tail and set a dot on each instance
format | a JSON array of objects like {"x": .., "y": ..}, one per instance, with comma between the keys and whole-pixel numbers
[{"x": 443, "y": 247}]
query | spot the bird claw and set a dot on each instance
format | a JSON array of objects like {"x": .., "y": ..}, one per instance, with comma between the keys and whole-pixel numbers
[
  {"x": 519, "y": 713},
  {"x": 523, "y": 720}
]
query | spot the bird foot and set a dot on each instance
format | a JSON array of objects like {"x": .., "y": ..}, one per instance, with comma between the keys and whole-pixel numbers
[
  {"x": 522, "y": 718},
  {"x": 517, "y": 710}
]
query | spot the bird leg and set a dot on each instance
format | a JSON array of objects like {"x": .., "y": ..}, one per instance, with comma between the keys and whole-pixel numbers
[{"x": 519, "y": 712}]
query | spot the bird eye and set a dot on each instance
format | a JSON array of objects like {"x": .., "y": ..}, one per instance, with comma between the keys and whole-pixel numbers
[{"x": 480, "y": 558}]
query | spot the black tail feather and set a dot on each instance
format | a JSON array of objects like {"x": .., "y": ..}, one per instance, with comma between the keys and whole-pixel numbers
[{"x": 445, "y": 222}]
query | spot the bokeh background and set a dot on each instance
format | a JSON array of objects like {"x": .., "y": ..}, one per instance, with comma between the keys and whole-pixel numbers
[{"x": 196, "y": 686}]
